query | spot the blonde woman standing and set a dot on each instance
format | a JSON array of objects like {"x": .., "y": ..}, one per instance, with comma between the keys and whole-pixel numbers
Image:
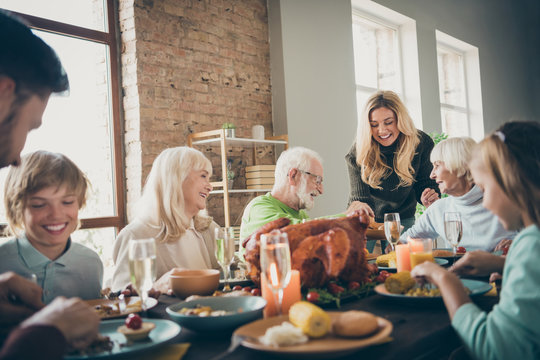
[
  {"x": 172, "y": 211},
  {"x": 389, "y": 163}
]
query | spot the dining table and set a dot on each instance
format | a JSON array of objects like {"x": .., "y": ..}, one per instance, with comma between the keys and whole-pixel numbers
[{"x": 421, "y": 330}]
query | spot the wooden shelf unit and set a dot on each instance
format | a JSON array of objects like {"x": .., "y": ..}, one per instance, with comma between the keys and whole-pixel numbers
[{"x": 218, "y": 137}]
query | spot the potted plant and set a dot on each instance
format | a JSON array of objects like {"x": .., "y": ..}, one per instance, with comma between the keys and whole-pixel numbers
[{"x": 229, "y": 129}]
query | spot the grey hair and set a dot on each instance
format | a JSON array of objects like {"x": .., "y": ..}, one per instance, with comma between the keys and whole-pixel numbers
[
  {"x": 297, "y": 157},
  {"x": 456, "y": 155}
]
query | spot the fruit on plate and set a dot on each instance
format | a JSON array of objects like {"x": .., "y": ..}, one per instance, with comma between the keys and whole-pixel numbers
[
  {"x": 399, "y": 283},
  {"x": 355, "y": 323},
  {"x": 311, "y": 319},
  {"x": 461, "y": 250},
  {"x": 134, "y": 329}
]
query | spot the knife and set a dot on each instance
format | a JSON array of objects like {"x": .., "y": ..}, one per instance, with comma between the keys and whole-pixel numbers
[{"x": 236, "y": 340}]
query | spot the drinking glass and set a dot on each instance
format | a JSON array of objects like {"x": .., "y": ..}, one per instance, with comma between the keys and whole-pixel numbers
[
  {"x": 225, "y": 252},
  {"x": 276, "y": 263},
  {"x": 392, "y": 228},
  {"x": 142, "y": 266},
  {"x": 420, "y": 250},
  {"x": 453, "y": 229}
]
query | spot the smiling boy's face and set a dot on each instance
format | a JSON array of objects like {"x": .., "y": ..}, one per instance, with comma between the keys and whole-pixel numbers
[{"x": 50, "y": 216}]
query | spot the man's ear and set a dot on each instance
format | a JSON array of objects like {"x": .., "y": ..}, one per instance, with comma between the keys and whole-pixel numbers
[
  {"x": 7, "y": 86},
  {"x": 293, "y": 176}
]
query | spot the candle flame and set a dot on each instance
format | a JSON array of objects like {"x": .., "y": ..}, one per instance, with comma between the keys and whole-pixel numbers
[{"x": 274, "y": 279}]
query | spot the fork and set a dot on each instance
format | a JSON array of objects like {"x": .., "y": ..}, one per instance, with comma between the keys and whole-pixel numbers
[{"x": 236, "y": 340}]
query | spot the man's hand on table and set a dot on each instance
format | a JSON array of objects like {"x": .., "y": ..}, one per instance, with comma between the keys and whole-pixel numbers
[
  {"x": 19, "y": 298},
  {"x": 77, "y": 321}
]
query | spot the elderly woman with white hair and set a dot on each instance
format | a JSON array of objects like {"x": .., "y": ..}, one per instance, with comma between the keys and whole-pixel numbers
[
  {"x": 172, "y": 211},
  {"x": 481, "y": 229}
]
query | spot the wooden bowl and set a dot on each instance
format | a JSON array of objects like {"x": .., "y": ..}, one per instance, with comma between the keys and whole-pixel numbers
[{"x": 194, "y": 282}]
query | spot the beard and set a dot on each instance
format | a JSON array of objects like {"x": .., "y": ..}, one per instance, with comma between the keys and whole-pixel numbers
[{"x": 305, "y": 201}]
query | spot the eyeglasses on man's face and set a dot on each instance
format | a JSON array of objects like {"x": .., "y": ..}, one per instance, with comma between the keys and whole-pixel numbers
[{"x": 318, "y": 178}]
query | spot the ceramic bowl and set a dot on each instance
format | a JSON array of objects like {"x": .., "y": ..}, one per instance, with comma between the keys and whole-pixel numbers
[
  {"x": 244, "y": 309},
  {"x": 194, "y": 282}
]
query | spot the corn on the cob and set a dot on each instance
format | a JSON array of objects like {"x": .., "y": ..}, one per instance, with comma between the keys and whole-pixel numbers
[
  {"x": 388, "y": 260},
  {"x": 399, "y": 283},
  {"x": 310, "y": 318}
]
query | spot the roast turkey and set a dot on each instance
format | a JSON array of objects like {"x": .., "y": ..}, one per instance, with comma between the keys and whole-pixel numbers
[{"x": 321, "y": 250}]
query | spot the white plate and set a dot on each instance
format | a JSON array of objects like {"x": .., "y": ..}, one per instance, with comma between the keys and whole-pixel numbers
[{"x": 130, "y": 301}]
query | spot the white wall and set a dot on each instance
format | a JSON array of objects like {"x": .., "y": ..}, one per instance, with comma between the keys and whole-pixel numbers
[
  {"x": 313, "y": 72},
  {"x": 313, "y": 86}
]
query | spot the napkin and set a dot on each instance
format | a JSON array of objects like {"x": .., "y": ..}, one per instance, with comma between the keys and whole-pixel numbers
[{"x": 167, "y": 352}]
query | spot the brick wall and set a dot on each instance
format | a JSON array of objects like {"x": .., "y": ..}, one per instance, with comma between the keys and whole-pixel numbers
[{"x": 190, "y": 66}]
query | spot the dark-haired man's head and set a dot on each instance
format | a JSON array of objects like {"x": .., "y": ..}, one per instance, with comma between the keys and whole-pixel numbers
[{"x": 30, "y": 72}]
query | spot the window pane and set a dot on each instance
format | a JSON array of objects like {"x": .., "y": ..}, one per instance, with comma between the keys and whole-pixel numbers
[
  {"x": 451, "y": 77},
  {"x": 78, "y": 125},
  {"x": 376, "y": 55},
  {"x": 84, "y": 13},
  {"x": 101, "y": 241},
  {"x": 361, "y": 99},
  {"x": 454, "y": 123}
]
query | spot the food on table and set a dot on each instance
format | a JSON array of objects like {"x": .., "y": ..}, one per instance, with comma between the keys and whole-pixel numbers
[
  {"x": 383, "y": 275},
  {"x": 105, "y": 310},
  {"x": 387, "y": 260},
  {"x": 335, "y": 289},
  {"x": 256, "y": 292},
  {"x": 355, "y": 323},
  {"x": 321, "y": 250},
  {"x": 135, "y": 329},
  {"x": 204, "y": 311},
  {"x": 399, "y": 283},
  {"x": 311, "y": 319},
  {"x": 285, "y": 334},
  {"x": 423, "y": 291},
  {"x": 444, "y": 253},
  {"x": 461, "y": 250},
  {"x": 100, "y": 345},
  {"x": 225, "y": 294},
  {"x": 375, "y": 225},
  {"x": 312, "y": 296}
]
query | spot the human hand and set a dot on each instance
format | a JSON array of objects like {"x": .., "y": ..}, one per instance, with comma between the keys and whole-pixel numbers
[
  {"x": 361, "y": 208},
  {"x": 478, "y": 263},
  {"x": 19, "y": 298},
  {"x": 131, "y": 291},
  {"x": 428, "y": 197},
  {"x": 503, "y": 245},
  {"x": 75, "y": 319},
  {"x": 428, "y": 272}
]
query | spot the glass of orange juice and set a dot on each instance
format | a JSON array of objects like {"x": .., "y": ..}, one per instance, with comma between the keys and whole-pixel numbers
[{"x": 420, "y": 250}]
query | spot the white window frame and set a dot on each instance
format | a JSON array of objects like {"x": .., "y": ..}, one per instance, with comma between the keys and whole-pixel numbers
[{"x": 471, "y": 82}]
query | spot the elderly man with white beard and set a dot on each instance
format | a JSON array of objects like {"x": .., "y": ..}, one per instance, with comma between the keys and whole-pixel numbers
[{"x": 298, "y": 179}]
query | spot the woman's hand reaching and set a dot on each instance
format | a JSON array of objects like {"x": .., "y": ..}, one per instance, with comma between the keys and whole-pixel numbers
[{"x": 428, "y": 197}]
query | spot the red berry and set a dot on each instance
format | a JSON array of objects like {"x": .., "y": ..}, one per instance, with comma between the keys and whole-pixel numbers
[
  {"x": 335, "y": 289},
  {"x": 461, "y": 250},
  {"x": 247, "y": 288},
  {"x": 133, "y": 321},
  {"x": 312, "y": 296},
  {"x": 256, "y": 292},
  {"x": 353, "y": 285},
  {"x": 237, "y": 287}
]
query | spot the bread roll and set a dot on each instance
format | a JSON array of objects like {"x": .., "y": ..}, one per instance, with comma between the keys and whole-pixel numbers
[{"x": 355, "y": 323}]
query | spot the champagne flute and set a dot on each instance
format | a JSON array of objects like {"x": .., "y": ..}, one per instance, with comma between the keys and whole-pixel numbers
[
  {"x": 453, "y": 229},
  {"x": 392, "y": 228},
  {"x": 276, "y": 263},
  {"x": 225, "y": 252},
  {"x": 142, "y": 266}
]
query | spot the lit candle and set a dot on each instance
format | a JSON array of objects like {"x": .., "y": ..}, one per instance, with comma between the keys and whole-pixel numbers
[
  {"x": 403, "y": 258},
  {"x": 291, "y": 294}
]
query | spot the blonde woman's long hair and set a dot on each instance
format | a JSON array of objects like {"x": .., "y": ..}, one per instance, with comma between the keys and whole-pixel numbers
[
  {"x": 368, "y": 154},
  {"x": 162, "y": 201}
]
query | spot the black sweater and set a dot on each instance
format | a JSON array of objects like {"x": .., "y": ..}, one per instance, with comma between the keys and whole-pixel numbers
[{"x": 392, "y": 198}]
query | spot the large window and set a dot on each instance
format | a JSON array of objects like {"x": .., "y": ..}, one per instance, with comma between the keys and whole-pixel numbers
[
  {"x": 376, "y": 58},
  {"x": 459, "y": 87},
  {"x": 84, "y": 125}
]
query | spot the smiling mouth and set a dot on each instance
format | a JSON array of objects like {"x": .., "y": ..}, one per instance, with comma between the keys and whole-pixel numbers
[
  {"x": 203, "y": 195},
  {"x": 384, "y": 137},
  {"x": 55, "y": 228}
]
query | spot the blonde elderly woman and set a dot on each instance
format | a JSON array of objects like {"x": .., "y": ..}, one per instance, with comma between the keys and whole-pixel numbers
[
  {"x": 172, "y": 211},
  {"x": 481, "y": 229}
]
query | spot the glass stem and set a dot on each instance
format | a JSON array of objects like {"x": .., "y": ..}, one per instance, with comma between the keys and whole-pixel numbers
[
  {"x": 226, "y": 271},
  {"x": 280, "y": 300}
]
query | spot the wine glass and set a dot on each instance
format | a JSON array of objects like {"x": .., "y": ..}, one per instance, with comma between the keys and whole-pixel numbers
[
  {"x": 453, "y": 229},
  {"x": 392, "y": 228},
  {"x": 276, "y": 263},
  {"x": 142, "y": 266},
  {"x": 225, "y": 252}
]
